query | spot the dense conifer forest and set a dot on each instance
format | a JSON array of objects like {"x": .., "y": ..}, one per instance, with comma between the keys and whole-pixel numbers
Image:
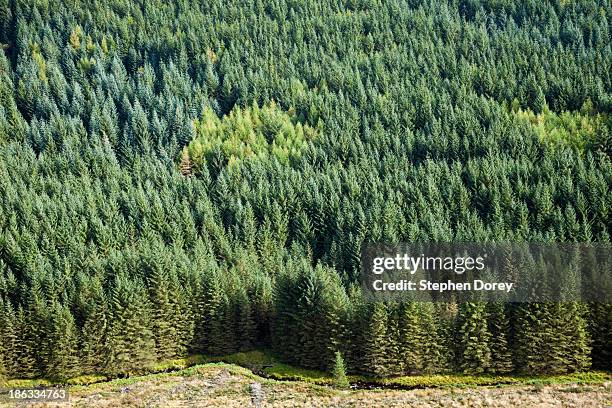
[{"x": 199, "y": 177}]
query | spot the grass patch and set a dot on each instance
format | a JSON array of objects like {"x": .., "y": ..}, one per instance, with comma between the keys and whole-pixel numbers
[
  {"x": 254, "y": 360},
  {"x": 286, "y": 372},
  {"x": 263, "y": 363},
  {"x": 26, "y": 383},
  {"x": 87, "y": 379},
  {"x": 179, "y": 363},
  {"x": 461, "y": 380}
]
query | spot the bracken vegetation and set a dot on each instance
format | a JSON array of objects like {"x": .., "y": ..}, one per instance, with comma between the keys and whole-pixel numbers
[{"x": 200, "y": 176}]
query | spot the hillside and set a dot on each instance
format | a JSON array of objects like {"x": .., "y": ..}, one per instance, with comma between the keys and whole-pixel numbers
[{"x": 200, "y": 177}]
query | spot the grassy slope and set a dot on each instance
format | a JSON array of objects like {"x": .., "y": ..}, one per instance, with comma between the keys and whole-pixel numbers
[
  {"x": 228, "y": 385},
  {"x": 225, "y": 381}
]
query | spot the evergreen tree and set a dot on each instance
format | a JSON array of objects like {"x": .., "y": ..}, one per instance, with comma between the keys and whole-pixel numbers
[
  {"x": 94, "y": 348},
  {"x": 131, "y": 341},
  {"x": 394, "y": 346},
  {"x": 164, "y": 331},
  {"x": 376, "y": 360},
  {"x": 63, "y": 340},
  {"x": 25, "y": 356},
  {"x": 9, "y": 339},
  {"x": 412, "y": 338},
  {"x": 499, "y": 327},
  {"x": 339, "y": 372},
  {"x": 473, "y": 338},
  {"x": 577, "y": 346},
  {"x": 207, "y": 308},
  {"x": 245, "y": 325},
  {"x": 600, "y": 328},
  {"x": 529, "y": 341},
  {"x": 3, "y": 342},
  {"x": 309, "y": 316}
]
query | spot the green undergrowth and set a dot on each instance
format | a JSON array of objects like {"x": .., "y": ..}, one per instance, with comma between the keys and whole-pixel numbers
[
  {"x": 461, "y": 380},
  {"x": 265, "y": 364}
]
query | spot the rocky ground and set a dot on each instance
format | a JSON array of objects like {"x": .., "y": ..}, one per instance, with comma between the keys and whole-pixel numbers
[{"x": 229, "y": 386}]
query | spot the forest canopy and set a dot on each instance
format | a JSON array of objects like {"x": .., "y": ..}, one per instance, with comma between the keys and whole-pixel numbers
[{"x": 200, "y": 177}]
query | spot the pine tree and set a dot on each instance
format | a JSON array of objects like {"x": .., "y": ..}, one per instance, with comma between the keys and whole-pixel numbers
[
  {"x": 375, "y": 351},
  {"x": 94, "y": 348},
  {"x": 131, "y": 341},
  {"x": 473, "y": 338},
  {"x": 499, "y": 327},
  {"x": 600, "y": 329},
  {"x": 27, "y": 347},
  {"x": 63, "y": 340},
  {"x": 245, "y": 325},
  {"x": 339, "y": 372},
  {"x": 411, "y": 338}
]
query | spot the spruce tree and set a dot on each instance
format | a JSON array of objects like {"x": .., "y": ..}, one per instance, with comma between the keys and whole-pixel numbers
[
  {"x": 339, "y": 372},
  {"x": 131, "y": 341},
  {"x": 208, "y": 297},
  {"x": 600, "y": 329},
  {"x": 394, "y": 347},
  {"x": 221, "y": 337},
  {"x": 63, "y": 360},
  {"x": 245, "y": 325},
  {"x": 499, "y": 327},
  {"x": 468, "y": 151},
  {"x": 530, "y": 328},
  {"x": 94, "y": 346},
  {"x": 356, "y": 340},
  {"x": 3, "y": 347},
  {"x": 27, "y": 349},
  {"x": 9, "y": 338},
  {"x": 182, "y": 318},
  {"x": 435, "y": 343},
  {"x": 163, "y": 312},
  {"x": 376, "y": 361},
  {"x": 577, "y": 346},
  {"x": 3, "y": 371},
  {"x": 411, "y": 338},
  {"x": 473, "y": 338}
]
